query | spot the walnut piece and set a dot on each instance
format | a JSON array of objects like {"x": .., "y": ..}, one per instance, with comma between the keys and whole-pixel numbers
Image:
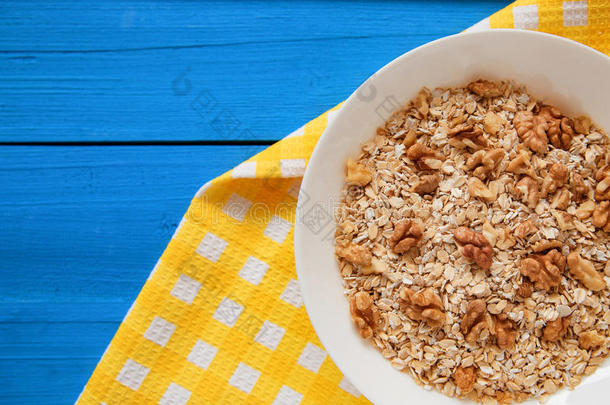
[
  {"x": 521, "y": 165},
  {"x": 424, "y": 305},
  {"x": 525, "y": 228},
  {"x": 555, "y": 330},
  {"x": 582, "y": 125},
  {"x": 544, "y": 270},
  {"x": 559, "y": 128},
  {"x": 525, "y": 289},
  {"x": 601, "y": 216},
  {"x": 364, "y": 313},
  {"x": 557, "y": 177},
  {"x": 527, "y": 191},
  {"x": 545, "y": 245},
  {"x": 584, "y": 271},
  {"x": 474, "y": 322},
  {"x": 357, "y": 174},
  {"x": 492, "y": 123},
  {"x": 562, "y": 199},
  {"x": 377, "y": 266},
  {"x": 406, "y": 235},
  {"x": 426, "y": 184},
  {"x": 602, "y": 190},
  {"x": 485, "y": 88},
  {"x": 590, "y": 340},
  {"x": 506, "y": 332},
  {"x": 478, "y": 189},
  {"x": 484, "y": 162},
  {"x": 467, "y": 135},
  {"x": 579, "y": 188},
  {"x": 464, "y": 378},
  {"x": 355, "y": 254},
  {"x": 586, "y": 209},
  {"x": 532, "y": 130},
  {"x": 424, "y": 157},
  {"x": 474, "y": 246}
]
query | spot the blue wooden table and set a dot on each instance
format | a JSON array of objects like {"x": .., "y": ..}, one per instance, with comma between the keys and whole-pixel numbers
[{"x": 104, "y": 140}]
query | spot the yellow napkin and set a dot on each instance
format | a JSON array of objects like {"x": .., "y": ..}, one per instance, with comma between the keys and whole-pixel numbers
[{"x": 221, "y": 319}]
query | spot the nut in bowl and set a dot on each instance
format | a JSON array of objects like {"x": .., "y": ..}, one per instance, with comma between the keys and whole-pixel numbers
[{"x": 469, "y": 259}]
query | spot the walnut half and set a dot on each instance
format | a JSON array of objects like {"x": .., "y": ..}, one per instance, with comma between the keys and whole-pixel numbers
[
  {"x": 544, "y": 270},
  {"x": 532, "y": 130},
  {"x": 484, "y": 162},
  {"x": 406, "y": 235},
  {"x": 474, "y": 322},
  {"x": 474, "y": 246},
  {"x": 585, "y": 272},
  {"x": 364, "y": 313},
  {"x": 557, "y": 177},
  {"x": 424, "y": 305}
]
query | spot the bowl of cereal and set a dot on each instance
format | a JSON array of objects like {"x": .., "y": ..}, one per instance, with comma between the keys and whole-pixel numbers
[{"x": 453, "y": 230}]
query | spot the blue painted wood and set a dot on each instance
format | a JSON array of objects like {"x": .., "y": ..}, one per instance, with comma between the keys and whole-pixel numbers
[
  {"x": 82, "y": 227},
  {"x": 93, "y": 70}
]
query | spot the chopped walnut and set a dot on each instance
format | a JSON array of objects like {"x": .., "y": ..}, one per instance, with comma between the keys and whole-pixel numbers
[
  {"x": 557, "y": 177},
  {"x": 355, "y": 254},
  {"x": 544, "y": 270},
  {"x": 424, "y": 157},
  {"x": 601, "y": 216},
  {"x": 525, "y": 289},
  {"x": 484, "y": 162},
  {"x": 582, "y": 125},
  {"x": 506, "y": 332},
  {"x": 525, "y": 228},
  {"x": 559, "y": 128},
  {"x": 485, "y": 88},
  {"x": 357, "y": 174},
  {"x": 492, "y": 123},
  {"x": 579, "y": 188},
  {"x": 364, "y": 313},
  {"x": 464, "y": 378},
  {"x": 468, "y": 135},
  {"x": 555, "y": 330},
  {"x": 527, "y": 191},
  {"x": 590, "y": 340},
  {"x": 602, "y": 190},
  {"x": 585, "y": 272},
  {"x": 586, "y": 209},
  {"x": 406, "y": 235},
  {"x": 544, "y": 245},
  {"x": 426, "y": 184},
  {"x": 424, "y": 305},
  {"x": 421, "y": 103},
  {"x": 521, "y": 165},
  {"x": 532, "y": 130},
  {"x": 377, "y": 266},
  {"x": 474, "y": 246},
  {"x": 474, "y": 322},
  {"x": 562, "y": 199},
  {"x": 478, "y": 189}
]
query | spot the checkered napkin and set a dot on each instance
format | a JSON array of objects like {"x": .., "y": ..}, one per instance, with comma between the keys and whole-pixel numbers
[{"x": 221, "y": 319}]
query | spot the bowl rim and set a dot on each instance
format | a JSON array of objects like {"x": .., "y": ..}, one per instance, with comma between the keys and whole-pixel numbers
[{"x": 299, "y": 226}]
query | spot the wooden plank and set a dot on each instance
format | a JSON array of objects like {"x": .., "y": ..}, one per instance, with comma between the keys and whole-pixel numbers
[
  {"x": 116, "y": 71},
  {"x": 81, "y": 229}
]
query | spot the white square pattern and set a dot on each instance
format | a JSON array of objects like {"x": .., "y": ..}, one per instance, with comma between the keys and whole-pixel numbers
[
  {"x": 186, "y": 289},
  {"x": 236, "y": 207},
  {"x": 132, "y": 374},
  {"x": 160, "y": 331},
  {"x": 244, "y": 170},
  {"x": 228, "y": 311},
  {"x": 348, "y": 387},
  {"x": 211, "y": 247},
  {"x": 270, "y": 335},
  {"x": 175, "y": 395},
  {"x": 526, "y": 17},
  {"x": 292, "y": 294},
  {"x": 277, "y": 229},
  {"x": 292, "y": 167},
  {"x": 288, "y": 396},
  {"x": 575, "y": 13},
  {"x": 202, "y": 354},
  {"x": 312, "y": 357},
  {"x": 254, "y": 270},
  {"x": 244, "y": 378}
]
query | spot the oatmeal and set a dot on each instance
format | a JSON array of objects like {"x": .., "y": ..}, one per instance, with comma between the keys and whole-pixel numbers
[{"x": 473, "y": 242}]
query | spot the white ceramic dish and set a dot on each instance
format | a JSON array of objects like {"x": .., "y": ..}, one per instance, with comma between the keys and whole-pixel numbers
[{"x": 565, "y": 73}]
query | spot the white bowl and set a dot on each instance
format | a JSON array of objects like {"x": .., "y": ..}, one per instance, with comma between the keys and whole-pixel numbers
[{"x": 567, "y": 74}]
